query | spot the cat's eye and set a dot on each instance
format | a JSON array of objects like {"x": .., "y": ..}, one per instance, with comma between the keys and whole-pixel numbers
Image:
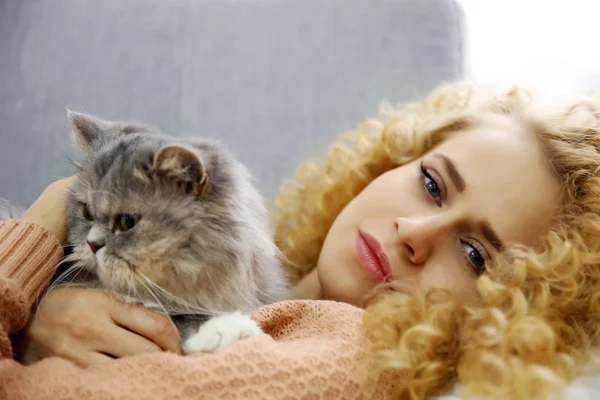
[
  {"x": 126, "y": 222},
  {"x": 85, "y": 211}
]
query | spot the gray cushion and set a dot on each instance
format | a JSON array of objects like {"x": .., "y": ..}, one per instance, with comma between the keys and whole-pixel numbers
[{"x": 275, "y": 79}]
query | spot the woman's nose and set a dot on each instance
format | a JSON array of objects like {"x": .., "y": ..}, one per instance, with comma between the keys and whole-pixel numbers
[{"x": 418, "y": 235}]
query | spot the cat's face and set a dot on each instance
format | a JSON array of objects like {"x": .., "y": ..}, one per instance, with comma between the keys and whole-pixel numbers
[{"x": 152, "y": 217}]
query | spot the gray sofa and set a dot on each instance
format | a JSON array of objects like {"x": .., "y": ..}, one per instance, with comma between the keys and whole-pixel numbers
[{"x": 275, "y": 79}]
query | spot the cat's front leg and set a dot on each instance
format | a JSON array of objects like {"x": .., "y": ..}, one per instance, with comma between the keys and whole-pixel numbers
[{"x": 218, "y": 333}]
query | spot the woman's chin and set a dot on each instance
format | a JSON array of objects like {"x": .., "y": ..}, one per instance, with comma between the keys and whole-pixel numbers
[{"x": 350, "y": 293}]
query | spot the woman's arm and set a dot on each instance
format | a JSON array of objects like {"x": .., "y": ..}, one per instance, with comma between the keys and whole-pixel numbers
[
  {"x": 30, "y": 249},
  {"x": 28, "y": 258}
]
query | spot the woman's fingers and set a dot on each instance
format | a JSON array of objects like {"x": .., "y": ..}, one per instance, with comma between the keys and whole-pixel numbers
[
  {"x": 89, "y": 327},
  {"x": 87, "y": 359},
  {"x": 150, "y": 324},
  {"x": 119, "y": 342}
]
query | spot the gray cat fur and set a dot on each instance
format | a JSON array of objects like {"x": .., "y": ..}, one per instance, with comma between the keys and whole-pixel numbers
[{"x": 202, "y": 247}]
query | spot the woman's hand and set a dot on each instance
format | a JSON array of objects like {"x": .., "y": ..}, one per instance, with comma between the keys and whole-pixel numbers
[
  {"x": 48, "y": 211},
  {"x": 90, "y": 327}
]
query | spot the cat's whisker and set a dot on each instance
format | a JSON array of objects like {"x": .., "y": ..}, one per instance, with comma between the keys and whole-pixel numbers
[
  {"x": 186, "y": 307},
  {"x": 75, "y": 277},
  {"x": 151, "y": 292},
  {"x": 132, "y": 287},
  {"x": 62, "y": 277},
  {"x": 59, "y": 281},
  {"x": 165, "y": 293}
]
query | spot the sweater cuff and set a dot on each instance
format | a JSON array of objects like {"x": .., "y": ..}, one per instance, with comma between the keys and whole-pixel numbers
[{"x": 29, "y": 256}]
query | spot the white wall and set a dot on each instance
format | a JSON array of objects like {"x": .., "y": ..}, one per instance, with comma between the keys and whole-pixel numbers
[{"x": 552, "y": 45}]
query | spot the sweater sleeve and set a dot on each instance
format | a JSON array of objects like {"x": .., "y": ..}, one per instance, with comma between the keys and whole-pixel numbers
[
  {"x": 312, "y": 350},
  {"x": 28, "y": 258}
]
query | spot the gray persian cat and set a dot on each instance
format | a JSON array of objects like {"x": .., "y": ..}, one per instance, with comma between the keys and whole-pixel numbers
[{"x": 175, "y": 224}]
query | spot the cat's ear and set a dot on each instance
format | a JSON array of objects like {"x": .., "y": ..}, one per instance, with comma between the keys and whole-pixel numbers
[
  {"x": 87, "y": 129},
  {"x": 184, "y": 166}
]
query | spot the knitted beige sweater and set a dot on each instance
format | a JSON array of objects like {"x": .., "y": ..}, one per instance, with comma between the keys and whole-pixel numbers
[{"x": 312, "y": 349}]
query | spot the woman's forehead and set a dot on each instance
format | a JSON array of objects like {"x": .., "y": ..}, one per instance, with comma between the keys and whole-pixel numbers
[
  {"x": 507, "y": 177},
  {"x": 503, "y": 142}
]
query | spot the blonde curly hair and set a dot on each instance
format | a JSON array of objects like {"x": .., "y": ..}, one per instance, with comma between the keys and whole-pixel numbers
[{"x": 538, "y": 311}]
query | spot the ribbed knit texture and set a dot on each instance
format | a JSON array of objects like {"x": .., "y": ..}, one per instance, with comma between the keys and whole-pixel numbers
[{"x": 28, "y": 256}]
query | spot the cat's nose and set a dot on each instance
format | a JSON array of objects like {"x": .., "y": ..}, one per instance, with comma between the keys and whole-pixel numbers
[{"x": 95, "y": 245}]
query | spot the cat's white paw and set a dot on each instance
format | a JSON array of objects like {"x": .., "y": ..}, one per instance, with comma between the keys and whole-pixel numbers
[{"x": 219, "y": 333}]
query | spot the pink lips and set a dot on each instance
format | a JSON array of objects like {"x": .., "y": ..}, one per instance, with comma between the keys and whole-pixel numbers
[{"x": 372, "y": 257}]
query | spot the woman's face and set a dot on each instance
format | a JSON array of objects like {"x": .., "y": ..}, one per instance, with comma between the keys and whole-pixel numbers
[{"x": 436, "y": 221}]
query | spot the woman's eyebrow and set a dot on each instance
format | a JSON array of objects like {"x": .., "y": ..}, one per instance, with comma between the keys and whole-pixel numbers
[
  {"x": 458, "y": 181},
  {"x": 491, "y": 235},
  {"x": 451, "y": 169}
]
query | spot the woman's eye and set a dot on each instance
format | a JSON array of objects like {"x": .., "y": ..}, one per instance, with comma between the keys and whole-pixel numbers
[
  {"x": 85, "y": 211},
  {"x": 126, "y": 222},
  {"x": 474, "y": 258},
  {"x": 431, "y": 186}
]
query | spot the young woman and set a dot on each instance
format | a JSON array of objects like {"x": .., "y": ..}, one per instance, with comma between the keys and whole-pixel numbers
[{"x": 468, "y": 224}]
